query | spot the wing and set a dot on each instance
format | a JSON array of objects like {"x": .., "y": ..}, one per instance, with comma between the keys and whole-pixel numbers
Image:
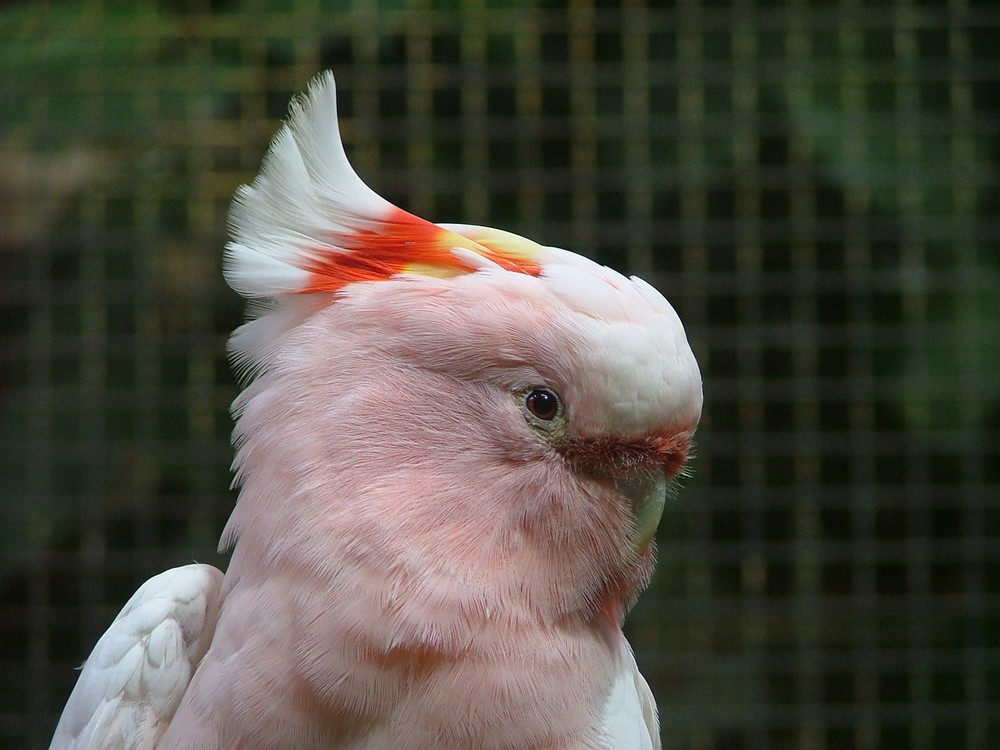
[
  {"x": 630, "y": 711},
  {"x": 137, "y": 674}
]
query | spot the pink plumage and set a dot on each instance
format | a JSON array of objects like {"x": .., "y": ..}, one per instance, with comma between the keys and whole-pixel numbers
[{"x": 452, "y": 453}]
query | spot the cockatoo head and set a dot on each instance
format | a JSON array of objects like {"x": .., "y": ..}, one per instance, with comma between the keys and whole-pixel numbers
[{"x": 459, "y": 395}]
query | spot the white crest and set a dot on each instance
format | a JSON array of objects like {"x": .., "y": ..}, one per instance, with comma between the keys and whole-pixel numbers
[{"x": 306, "y": 196}]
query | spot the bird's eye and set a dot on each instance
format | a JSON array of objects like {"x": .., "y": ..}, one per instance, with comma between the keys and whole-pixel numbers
[{"x": 542, "y": 403}]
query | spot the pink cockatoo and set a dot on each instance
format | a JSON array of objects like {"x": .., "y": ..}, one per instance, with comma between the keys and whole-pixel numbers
[{"x": 452, "y": 454}]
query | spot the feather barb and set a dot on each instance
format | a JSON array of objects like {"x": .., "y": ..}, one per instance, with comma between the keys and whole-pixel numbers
[{"x": 400, "y": 243}]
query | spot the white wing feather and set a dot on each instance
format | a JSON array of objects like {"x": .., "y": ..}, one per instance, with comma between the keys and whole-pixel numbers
[
  {"x": 137, "y": 673},
  {"x": 630, "y": 712}
]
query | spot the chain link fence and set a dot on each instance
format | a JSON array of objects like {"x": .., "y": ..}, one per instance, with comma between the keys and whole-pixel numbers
[{"x": 814, "y": 185}]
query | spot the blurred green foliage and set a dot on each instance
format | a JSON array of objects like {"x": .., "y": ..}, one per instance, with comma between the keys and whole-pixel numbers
[{"x": 866, "y": 132}]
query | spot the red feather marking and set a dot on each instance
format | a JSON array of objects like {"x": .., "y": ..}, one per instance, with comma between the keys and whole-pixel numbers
[{"x": 392, "y": 245}]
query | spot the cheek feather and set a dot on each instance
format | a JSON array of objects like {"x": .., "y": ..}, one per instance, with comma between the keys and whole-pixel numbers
[{"x": 612, "y": 457}]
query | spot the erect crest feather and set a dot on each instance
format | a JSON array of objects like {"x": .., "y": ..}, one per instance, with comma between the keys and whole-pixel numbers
[{"x": 309, "y": 224}]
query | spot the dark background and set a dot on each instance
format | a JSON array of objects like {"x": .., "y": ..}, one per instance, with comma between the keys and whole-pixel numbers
[{"x": 813, "y": 184}]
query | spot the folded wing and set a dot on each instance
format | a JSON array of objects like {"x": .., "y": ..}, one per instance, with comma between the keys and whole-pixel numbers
[{"x": 136, "y": 675}]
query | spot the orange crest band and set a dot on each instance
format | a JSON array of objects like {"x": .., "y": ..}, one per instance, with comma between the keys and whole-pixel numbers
[{"x": 404, "y": 243}]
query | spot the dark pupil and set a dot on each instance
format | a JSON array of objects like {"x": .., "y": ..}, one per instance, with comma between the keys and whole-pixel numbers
[{"x": 542, "y": 404}]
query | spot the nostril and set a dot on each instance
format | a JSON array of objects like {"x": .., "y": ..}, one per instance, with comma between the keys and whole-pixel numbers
[
  {"x": 673, "y": 464},
  {"x": 672, "y": 452}
]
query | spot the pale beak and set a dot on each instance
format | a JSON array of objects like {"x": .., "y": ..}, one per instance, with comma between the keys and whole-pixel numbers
[{"x": 647, "y": 493}]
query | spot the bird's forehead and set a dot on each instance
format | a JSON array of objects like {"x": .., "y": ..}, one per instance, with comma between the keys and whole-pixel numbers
[
  {"x": 634, "y": 377},
  {"x": 613, "y": 347},
  {"x": 629, "y": 366}
]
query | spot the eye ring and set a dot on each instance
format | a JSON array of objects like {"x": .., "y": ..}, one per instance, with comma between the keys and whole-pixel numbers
[{"x": 543, "y": 404}]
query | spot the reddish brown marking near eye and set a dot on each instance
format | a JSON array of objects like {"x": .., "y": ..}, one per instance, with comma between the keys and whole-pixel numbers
[
  {"x": 391, "y": 246},
  {"x": 615, "y": 457}
]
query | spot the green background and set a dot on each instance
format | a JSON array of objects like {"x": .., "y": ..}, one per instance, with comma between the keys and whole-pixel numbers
[{"x": 813, "y": 184}]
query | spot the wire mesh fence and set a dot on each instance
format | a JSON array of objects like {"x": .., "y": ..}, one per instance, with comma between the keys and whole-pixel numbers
[{"x": 813, "y": 184}]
